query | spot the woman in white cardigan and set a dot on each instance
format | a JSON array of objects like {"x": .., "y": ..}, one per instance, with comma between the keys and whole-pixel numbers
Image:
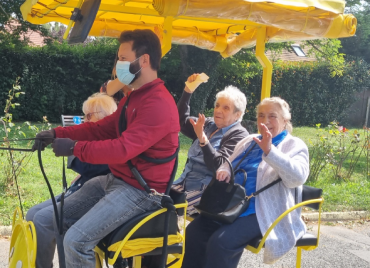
[{"x": 210, "y": 244}]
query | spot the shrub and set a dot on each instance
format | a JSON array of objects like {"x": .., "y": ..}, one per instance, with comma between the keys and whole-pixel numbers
[{"x": 56, "y": 79}]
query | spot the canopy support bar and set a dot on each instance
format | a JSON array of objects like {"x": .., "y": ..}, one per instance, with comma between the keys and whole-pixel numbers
[
  {"x": 265, "y": 62},
  {"x": 70, "y": 24},
  {"x": 167, "y": 35}
]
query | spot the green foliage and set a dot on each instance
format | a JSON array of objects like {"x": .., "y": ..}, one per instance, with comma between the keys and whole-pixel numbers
[
  {"x": 12, "y": 35},
  {"x": 318, "y": 92},
  {"x": 56, "y": 78},
  {"x": 358, "y": 45},
  {"x": 315, "y": 96},
  {"x": 326, "y": 50},
  {"x": 181, "y": 62},
  {"x": 14, "y": 162},
  {"x": 336, "y": 149}
]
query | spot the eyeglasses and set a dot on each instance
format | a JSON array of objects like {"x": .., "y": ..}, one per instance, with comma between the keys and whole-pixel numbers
[{"x": 88, "y": 116}]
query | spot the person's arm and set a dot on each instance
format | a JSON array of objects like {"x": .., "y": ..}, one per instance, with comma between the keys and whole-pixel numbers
[
  {"x": 100, "y": 130},
  {"x": 211, "y": 156},
  {"x": 223, "y": 172},
  {"x": 183, "y": 107},
  {"x": 292, "y": 169},
  {"x": 113, "y": 87},
  {"x": 150, "y": 125}
]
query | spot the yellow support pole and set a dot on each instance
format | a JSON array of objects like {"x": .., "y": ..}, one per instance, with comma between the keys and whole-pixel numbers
[
  {"x": 265, "y": 62},
  {"x": 71, "y": 22},
  {"x": 299, "y": 257},
  {"x": 136, "y": 262},
  {"x": 167, "y": 35}
]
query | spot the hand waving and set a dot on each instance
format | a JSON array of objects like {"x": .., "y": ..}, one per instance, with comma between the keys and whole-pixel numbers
[
  {"x": 198, "y": 128},
  {"x": 191, "y": 79},
  {"x": 265, "y": 143}
]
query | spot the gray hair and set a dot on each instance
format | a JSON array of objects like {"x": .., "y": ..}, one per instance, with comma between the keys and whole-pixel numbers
[
  {"x": 284, "y": 108},
  {"x": 236, "y": 97},
  {"x": 101, "y": 104}
]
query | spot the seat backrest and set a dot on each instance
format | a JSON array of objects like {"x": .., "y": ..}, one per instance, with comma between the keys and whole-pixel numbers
[
  {"x": 178, "y": 198},
  {"x": 67, "y": 120},
  {"x": 309, "y": 193}
]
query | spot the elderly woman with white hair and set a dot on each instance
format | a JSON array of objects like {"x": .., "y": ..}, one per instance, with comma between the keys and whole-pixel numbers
[
  {"x": 277, "y": 154},
  {"x": 211, "y": 137}
]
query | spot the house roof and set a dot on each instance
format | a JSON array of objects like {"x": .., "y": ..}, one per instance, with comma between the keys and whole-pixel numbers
[
  {"x": 290, "y": 55},
  {"x": 34, "y": 37}
]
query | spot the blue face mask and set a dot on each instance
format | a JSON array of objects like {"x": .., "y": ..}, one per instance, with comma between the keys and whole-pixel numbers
[{"x": 123, "y": 71}]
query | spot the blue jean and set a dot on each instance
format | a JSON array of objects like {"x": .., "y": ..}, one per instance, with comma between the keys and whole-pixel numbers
[
  {"x": 42, "y": 217},
  {"x": 210, "y": 244},
  {"x": 99, "y": 207}
]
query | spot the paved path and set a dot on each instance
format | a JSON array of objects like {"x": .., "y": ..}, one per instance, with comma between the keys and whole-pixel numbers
[
  {"x": 346, "y": 244},
  {"x": 342, "y": 245}
]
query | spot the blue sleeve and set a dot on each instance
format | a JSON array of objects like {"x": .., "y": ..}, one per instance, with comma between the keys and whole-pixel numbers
[{"x": 89, "y": 170}]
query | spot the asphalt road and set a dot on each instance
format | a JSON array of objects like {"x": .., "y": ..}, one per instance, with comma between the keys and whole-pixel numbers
[{"x": 344, "y": 244}]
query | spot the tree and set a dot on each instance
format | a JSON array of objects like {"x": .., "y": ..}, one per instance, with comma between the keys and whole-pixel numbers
[
  {"x": 358, "y": 45},
  {"x": 327, "y": 50},
  {"x": 237, "y": 70},
  {"x": 11, "y": 34},
  {"x": 55, "y": 30}
]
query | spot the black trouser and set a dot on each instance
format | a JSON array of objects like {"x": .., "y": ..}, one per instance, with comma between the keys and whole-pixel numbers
[{"x": 210, "y": 244}]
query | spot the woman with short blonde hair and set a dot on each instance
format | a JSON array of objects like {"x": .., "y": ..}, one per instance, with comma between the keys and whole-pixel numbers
[{"x": 98, "y": 106}]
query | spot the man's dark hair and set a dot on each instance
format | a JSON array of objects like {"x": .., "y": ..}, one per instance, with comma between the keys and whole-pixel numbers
[{"x": 144, "y": 42}]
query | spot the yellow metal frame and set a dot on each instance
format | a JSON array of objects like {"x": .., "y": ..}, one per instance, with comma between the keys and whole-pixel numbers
[
  {"x": 265, "y": 62},
  {"x": 137, "y": 259},
  {"x": 167, "y": 35},
  {"x": 71, "y": 22},
  {"x": 299, "y": 249}
]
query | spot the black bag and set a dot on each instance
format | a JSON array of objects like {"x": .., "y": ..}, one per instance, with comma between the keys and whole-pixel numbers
[
  {"x": 225, "y": 202},
  {"x": 222, "y": 201}
]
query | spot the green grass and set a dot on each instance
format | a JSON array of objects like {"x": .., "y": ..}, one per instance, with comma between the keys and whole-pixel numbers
[{"x": 339, "y": 195}]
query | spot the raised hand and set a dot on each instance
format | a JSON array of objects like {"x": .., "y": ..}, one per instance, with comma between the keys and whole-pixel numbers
[
  {"x": 190, "y": 80},
  {"x": 198, "y": 128},
  {"x": 265, "y": 143}
]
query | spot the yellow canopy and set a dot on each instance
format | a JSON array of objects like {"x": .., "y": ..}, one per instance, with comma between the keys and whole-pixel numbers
[{"x": 223, "y": 26}]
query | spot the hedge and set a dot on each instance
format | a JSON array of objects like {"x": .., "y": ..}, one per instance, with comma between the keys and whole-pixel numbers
[
  {"x": 315, "y": 96},
  {"x": 58, "y": 78}
]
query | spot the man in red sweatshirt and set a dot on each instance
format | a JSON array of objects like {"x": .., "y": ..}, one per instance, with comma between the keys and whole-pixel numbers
[{"x": 152, "y": 125}]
